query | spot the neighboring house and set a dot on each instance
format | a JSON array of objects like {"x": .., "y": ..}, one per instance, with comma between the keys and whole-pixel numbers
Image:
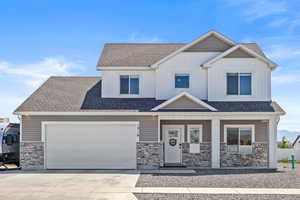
[
  {"x": 3, "y": 123},
  {"x": 296, "y": 143},
  {"x": 206, "y": 104}
]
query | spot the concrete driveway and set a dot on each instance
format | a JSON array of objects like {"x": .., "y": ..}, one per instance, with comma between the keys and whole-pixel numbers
[{"x": 67, "y": 185}]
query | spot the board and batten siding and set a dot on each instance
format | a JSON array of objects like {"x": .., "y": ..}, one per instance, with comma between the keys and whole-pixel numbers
[
  {"x": 32, "y": 125},
  {"x": 217, "y": 79},
  {"x": 261, "y": 128}
]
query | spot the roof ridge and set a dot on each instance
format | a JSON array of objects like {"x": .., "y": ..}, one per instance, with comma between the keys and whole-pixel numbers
[
  {"x": 247, "y": 43},
  {"x": 75, "y": 77},
  {"x": 145, "y": 43}
]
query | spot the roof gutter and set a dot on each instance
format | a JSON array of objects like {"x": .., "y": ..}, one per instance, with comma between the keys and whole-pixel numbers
[
  {"x": 118, "y": 68},
  {"x": 125, "y": 113}
]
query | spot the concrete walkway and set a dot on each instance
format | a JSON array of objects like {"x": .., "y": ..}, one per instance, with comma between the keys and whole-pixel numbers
[
  {"x": 104, "y": 185},
  {"x": 185, "y": 190}
]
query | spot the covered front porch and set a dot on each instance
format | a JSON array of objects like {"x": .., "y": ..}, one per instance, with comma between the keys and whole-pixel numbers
[{"x": 215, "y": 140}]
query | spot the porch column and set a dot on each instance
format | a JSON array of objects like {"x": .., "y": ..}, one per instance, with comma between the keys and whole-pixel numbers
[
  {"x": 215, "y": 143},
  {"x": 273, "y": 142}
]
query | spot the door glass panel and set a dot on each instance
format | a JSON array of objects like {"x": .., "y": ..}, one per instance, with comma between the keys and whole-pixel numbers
[
  {"x": 173, "y": 138},
  {"x": 173, "y": 133}
]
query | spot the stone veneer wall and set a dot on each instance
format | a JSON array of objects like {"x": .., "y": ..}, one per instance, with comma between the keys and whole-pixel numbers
[
  {"x": 258, "y": 158},
  {"x": 32, "y": 155},
  {"x": 148, "y": 155},
  {"x": 202, "y": 159}
]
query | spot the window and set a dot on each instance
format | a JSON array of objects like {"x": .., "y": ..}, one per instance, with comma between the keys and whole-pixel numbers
[
  {"x": 239, "y": 83},
  {"x": 129, "y": 84},
  {"x": 194, "y": 137},
  {"x": 182, "y": 81},
  {"x": 239, "y": 138}
]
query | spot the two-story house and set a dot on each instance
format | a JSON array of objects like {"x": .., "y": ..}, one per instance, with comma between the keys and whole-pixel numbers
[{"x": 205, "y": 104}]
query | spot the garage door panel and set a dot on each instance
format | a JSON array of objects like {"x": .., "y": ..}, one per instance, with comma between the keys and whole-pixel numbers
[{"x": 91, "y": 146}]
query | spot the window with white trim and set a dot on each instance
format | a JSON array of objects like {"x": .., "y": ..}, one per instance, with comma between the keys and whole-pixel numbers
[
  {"x": 182, "y": 80},
  {"x": 239, "y": 83},
  {"x": 194, "y": 137},
  {"x": 239, "y": 138},
  {"x": 129, "y": 84}
]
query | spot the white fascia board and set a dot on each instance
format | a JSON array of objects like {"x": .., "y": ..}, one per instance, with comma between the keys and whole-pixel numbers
[
  {"x": 160, "y": 114},
  {"x": 96, "y": 113},
  {"x": 270, "y": 63},
  {"x": 202, "y": 37},
  {"x": 220, "y": 116},
  {"x": 118, "y": 68},
  {"x": 194, "y": 99}
]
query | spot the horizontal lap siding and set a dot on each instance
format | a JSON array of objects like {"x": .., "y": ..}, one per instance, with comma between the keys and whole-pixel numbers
[
  {"x": 31, "y": 125},
  {"x": 261, "y": 128}
]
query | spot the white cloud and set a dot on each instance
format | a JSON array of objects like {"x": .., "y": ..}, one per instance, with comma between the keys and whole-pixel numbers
[
  {"x": 139, "y": 38},
  {"x": 278, "y": 22},
  {"x": 286, "y": 77},
  {"x": 253, "y": 9},
  {"x": 290, "y": 121},
  {"x": 293, "y": 24},
  {"x": 9, "y": 104},
  {"x": 33, "y": 74},
  {"x": 25, "y": 78},
  {"x": 279, "y": 52}
]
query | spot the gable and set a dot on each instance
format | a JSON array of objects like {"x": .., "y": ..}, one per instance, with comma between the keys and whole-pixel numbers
[
  {"x": 209, "y": 44},
  {"x": 239, "y": 53},
  {"x": 190, "y": 104},
  {"x": 184, "y": 103}
]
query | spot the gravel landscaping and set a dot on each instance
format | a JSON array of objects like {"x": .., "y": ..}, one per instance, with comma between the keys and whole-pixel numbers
[
  {"x": 256, "y": 178},
  {"x": 214, "y": 197}
]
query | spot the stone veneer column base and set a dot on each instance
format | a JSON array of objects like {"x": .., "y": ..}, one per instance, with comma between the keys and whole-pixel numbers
[
  {"x": 202, "y": 159},
  {"x": 32, "y": 155},
  {"x": 148, "y": 155},
  {"x": 258, "y": 158}
]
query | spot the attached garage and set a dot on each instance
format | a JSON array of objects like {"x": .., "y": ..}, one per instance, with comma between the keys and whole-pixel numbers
[{"x": 90, "y": 145}]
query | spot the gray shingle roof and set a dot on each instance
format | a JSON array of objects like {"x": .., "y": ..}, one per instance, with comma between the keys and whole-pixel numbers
[
  {"x": 83, "y": 94},
  {"x": 134, "y": 54},
  {"x": 130, "y": 54},
  {"x": 255, "y": 48}
]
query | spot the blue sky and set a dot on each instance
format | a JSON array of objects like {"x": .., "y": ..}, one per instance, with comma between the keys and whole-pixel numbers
[{"x": 43, "y": 38}]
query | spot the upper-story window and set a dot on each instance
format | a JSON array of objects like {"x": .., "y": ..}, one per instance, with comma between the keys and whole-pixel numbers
[
  {"x": 182, "y": 80},
  {"x": 129, "y": 84},
  {"x": 239, "y": 83}
]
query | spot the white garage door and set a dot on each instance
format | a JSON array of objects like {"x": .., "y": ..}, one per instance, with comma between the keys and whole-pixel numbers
[{"x": 90, "y": 145}]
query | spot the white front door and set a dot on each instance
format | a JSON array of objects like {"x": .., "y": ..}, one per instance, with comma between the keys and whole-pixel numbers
[{"x": 173, "y": 137}]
